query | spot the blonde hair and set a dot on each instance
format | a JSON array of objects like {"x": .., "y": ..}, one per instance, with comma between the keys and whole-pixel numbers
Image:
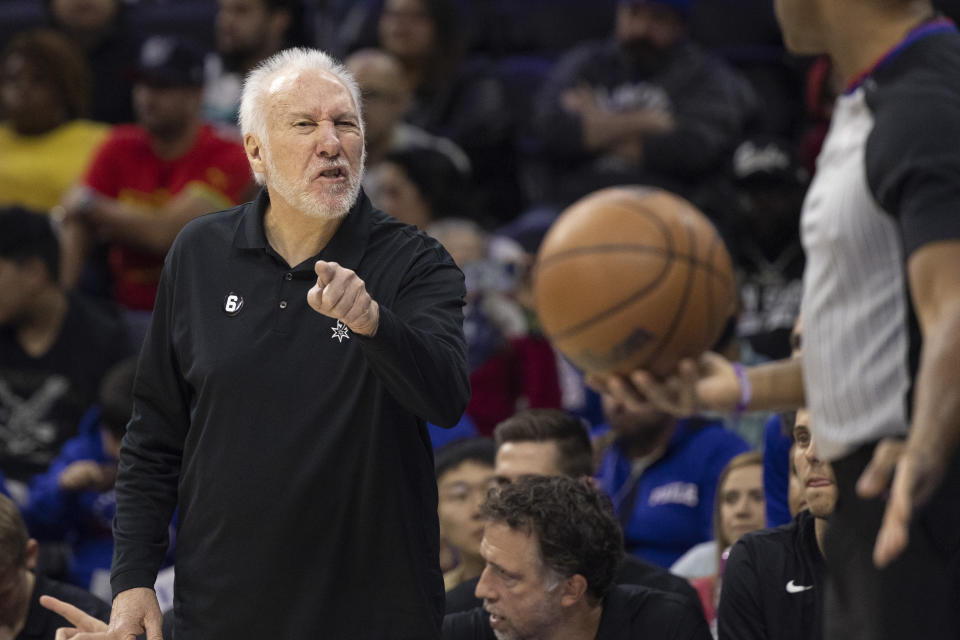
[{"x": 748, "y": 459}]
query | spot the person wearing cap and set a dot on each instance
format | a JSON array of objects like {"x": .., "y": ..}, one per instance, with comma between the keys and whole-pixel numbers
[
  {"x": 55, "y": 348},
  {"x": 147, "y": 180},
  {"x": 646, "y": 106},
  {"x": 768, "y": 187}
]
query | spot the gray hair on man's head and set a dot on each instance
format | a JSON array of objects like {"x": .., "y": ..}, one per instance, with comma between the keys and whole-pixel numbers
[{"x": 256, "y": 87}]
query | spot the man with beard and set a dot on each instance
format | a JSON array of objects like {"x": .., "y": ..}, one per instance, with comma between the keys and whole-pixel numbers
[
  {"x": 298, "y": 346},
  {"x": 552, "y": 547},
  {"x": 647, "y": 106},
  {"x": 551, "y": 442},
  {"x": 247, "y": 32},
  {"x": 147, "y": 180},
  {"x": 662, "y": 475}
]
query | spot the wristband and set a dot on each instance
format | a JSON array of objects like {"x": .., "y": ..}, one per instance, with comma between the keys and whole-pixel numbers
[{"x": 745, "y": 391}]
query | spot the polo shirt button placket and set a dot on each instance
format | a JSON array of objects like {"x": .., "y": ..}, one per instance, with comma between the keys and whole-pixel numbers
[{"x": 283, "y": 304}]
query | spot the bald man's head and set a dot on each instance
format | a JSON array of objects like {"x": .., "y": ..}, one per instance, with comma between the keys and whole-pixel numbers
[{"x": 386, "y": 94}]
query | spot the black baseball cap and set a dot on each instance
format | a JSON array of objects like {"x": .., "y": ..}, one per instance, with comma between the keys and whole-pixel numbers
[{"x": 169, "y": 61}]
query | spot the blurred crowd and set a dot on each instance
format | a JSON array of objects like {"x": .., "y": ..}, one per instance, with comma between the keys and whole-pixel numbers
[{"x": 484, "y": 120}]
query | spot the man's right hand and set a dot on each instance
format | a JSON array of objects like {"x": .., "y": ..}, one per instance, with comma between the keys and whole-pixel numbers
[{"x": 708, "y": 384}]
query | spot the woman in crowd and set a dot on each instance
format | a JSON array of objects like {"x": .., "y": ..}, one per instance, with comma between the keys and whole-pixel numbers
[
  {"x": 738, "y": 509},
  {"x": 45, "y": 142},
  {"x": 420, "y": 186}
]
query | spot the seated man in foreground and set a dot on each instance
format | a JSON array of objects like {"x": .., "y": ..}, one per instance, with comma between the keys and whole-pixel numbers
[
  {"x": 552, "y": 548},
  {"x": 21, "y": 617},
  {"x": 551, "y": 442}
]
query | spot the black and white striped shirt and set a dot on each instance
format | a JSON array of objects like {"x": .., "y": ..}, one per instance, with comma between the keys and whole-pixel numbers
[{"x": 887, "y": 183}]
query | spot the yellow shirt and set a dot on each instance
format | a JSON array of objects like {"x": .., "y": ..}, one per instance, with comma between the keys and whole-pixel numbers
[{"x": 36, "y": 171}]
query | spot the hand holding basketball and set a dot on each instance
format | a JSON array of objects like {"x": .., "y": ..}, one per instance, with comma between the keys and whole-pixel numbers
[
  {"x": 632, "y": 278},
  {"x": 706, "y": 384}
]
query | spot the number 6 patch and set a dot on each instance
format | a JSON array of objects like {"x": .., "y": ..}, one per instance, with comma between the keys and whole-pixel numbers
[{"x": 232, "y": 304}]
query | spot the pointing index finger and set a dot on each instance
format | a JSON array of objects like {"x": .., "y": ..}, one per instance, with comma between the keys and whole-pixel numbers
[
  {"x": 325, "y": 271},
  {"x": 75, "y": 616}
]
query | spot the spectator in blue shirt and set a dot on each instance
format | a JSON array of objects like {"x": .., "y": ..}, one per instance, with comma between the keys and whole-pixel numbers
[
  {"x": 73, "y": 501},
  {"x": 661, "y": 474}
]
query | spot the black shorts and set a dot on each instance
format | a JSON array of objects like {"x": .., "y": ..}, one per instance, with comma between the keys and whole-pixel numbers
[{"x": 916, "y": 596}]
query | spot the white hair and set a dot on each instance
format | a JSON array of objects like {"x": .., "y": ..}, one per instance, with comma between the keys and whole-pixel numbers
[{"x": 256, "y": 88}]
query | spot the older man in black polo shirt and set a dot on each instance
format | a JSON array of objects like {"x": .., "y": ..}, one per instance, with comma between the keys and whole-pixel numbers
[{"x": 298, "y": 345}]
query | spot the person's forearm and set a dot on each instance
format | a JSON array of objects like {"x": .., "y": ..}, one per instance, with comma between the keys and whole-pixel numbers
[
  {"x": 935, "y": 431},
  {"x": 776, "y": 386},
  {"x": 150, "y": 230},
  {"x": 75, "y": 240},
  {"x": 603, "y": 130}
]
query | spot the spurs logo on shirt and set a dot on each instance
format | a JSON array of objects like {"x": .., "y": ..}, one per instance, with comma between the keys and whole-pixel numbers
[{"x": 340, "y": 332}]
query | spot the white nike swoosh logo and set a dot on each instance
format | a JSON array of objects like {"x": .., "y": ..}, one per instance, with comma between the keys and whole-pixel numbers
[{"x": 793, "y": 588}]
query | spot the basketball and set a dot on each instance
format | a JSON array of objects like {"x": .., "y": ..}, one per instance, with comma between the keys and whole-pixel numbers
[{"x": 633, "y": 278}]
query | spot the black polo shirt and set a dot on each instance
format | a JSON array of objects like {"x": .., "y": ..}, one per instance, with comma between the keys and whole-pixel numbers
[
  {"x": 296, "y": 452},
  {"x": 773, "y": 585},
  {"x": 629, "y": 612},
  {"x": 633, "y": 570}
]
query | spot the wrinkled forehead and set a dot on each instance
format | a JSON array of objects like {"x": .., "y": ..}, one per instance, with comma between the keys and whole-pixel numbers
[
  {"x": 310, "y": 89},
  {"x": 512, "y": 549}
]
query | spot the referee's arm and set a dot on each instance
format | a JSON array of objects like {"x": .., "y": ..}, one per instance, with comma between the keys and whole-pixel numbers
[{"x": 934, "y": 272}]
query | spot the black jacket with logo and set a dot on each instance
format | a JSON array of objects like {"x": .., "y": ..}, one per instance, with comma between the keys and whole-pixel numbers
[{"x": 773, "y": 585}]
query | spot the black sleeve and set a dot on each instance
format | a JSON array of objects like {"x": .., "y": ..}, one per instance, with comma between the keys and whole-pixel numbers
[
  {"x": 633, "y": 570},
  {"x": 913, "y": 163},
  {"x": 694, "y": 629},
  {"x": 467, "y": 625},
  {"x": 151, "y": 451},
  {"x": 740, "y": 614},
  {"x": 419, "y": 352},
  {"x": 685, "y": 621},
  {"x": 462, "y": 598}
]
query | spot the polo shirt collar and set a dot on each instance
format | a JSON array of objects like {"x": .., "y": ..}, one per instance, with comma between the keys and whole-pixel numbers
[{"x": 346, "y": 247}]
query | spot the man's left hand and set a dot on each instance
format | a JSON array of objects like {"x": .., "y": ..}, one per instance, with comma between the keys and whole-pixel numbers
[
  {"x": 915, "y": 476},
  {"x": 341, "y": 294}
]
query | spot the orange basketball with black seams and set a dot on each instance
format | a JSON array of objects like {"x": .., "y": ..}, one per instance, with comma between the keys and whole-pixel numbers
[{"x": 631, "y": 277}]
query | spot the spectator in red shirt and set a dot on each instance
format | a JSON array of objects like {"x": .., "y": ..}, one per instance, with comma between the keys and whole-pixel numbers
[{"x": 147, "y": 180}]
